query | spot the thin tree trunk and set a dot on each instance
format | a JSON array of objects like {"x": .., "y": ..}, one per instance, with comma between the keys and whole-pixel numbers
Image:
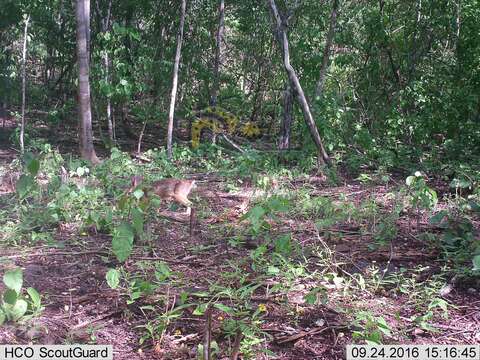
[
  {"x": 24, "y": 82},
  {"x": 84, "y": 104},
  {"x": 326, "y": 50},
  {"x": 287, "y": 119},
  {"x": 458, "y": 22},
  {"x": 218, "y": 53},
  {"x": 295, "y": 83},
  {"x": 175, "y": 80},
  {"x": 140, "y": 137},
  {"x": 105, "y": 21}
]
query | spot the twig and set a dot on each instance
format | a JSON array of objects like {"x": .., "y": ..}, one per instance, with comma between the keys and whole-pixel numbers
[
  {"x": 231, "y": 143},
  {"x": 101, "y": 317},
  {"x": 302, "y": 334},
  {"x": 88, "y": 252},
  {"x": 192, "y": 222},
  {"x": 236, "y": 345},
  {"x": 208, "y": 335}
]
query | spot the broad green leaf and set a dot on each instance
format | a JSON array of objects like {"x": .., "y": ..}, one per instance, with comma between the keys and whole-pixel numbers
[
  {"x": 33, "y": 165},
  {"x": 283, "y": 245},
  {"x": 476, "y": 262},
  {"x": 410, "y": 179},
  {"x": 438, "y": 217},
  {"x": 460, "y": 183},
  {"x": 19, "y": 309},
  {"x": 122, "y": 242},
  {"x": 138, "y": 220},
  {"x": 138, "y": 194},
  {"x": 2, "y": 317},
  {"x": 35, "y": 297},
  {"x": 226, "y": 309},
  {"x": 24, "y": 185},
  {"x": 10, "y": 296},
  {"x": 13, "y": 279},
  {"x": 311, "y": 297},
  {"x": 113, "y": 278}
]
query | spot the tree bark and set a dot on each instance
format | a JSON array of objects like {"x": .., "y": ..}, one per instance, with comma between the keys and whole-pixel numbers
[
  {"x": 24, "y": 81},
  {"x": 87, "y": 150},
  {"x": 326, "y": 50},
  {"x": 218, "y": 53},
  {"x": 105, "y": 23},
  {"x": 281, "y": 35},
  {"x": 287, "y": 119},
  {"x": 175, "y": 80}
]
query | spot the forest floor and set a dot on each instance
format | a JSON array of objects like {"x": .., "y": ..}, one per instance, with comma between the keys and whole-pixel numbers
[{"x": 364, "y": 284}]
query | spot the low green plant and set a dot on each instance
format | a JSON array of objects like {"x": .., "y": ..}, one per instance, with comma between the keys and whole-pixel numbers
[
  {"x": 15, "y": 306},
  {"x": 419, "y": 195},
  {"x": 459, "y": 241},
  {"x": 370, "y": 328}
]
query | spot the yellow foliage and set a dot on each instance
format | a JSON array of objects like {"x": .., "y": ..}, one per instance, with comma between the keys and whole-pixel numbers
[
  {"x": 199, "y": 125},
  {"x": 250, "y": 130},
  {"x": 218, "y": 120}
]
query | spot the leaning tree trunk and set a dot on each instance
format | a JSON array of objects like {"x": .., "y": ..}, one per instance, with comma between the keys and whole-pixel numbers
[
  {"x": 84, "y": 105},
  {"x": 218, "y": 53},
  {"x": 175, "y": 80},
  {"x": 281, "y": 35}
]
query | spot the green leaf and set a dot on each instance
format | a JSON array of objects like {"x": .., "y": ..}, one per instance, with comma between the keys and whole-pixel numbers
[
  {"x": 19, "y": 309},
  {"x": 113, "y": 278},
  {"x": 256, "y": 213},
  {"x": 283, "y": 245},
  {"x": 476, "y": 262},
  {"x": 311, "y": 297},
  {"x": 273, "y": 270},
  {"x": 278, "y": 204},
  {"x": 10, "y": 296},
  {"x": 438, "y": 217},
  {"x": 13, "y": 279},
  {"x": 24, "y": 185},
  {"x": 33, "y": 165},
  {"x": 35, "y": 297},
  {"x": 138, "y": 194},
  {"x": 2, "y": 317},
  {"x": 226, "y": 309},
  {"x": 200, "y": 309},
  {"x": 460, "y": 184},
  {"x": 162, "y": 271},
  {"x": 474, "y": 206},
  {"x": 122, "y": 242},
  {"x": 410, "y": 179},
  {"x": 138, "y": 220}
]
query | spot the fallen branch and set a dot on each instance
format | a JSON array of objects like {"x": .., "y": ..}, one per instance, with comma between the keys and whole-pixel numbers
[
  {"x": 96, "y": 252},
  {"x": 302, "y": 334},
  {"x": 231, "y": 143},
  {"x": 98, "y": 318}
]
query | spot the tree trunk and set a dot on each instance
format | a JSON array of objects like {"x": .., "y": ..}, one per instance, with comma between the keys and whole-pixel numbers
[
  {"x": 84, "y": 106},
  {"x": 281, "y": 35},
  {"x": 175, "y": 80},
  {"x": 284, "y": 142},
  {"x": 218, "y": 53},
  {"x": 24, "y": 81},
  {"x": 105, "y": 23},
  {"x": 326, "y": 50}
]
